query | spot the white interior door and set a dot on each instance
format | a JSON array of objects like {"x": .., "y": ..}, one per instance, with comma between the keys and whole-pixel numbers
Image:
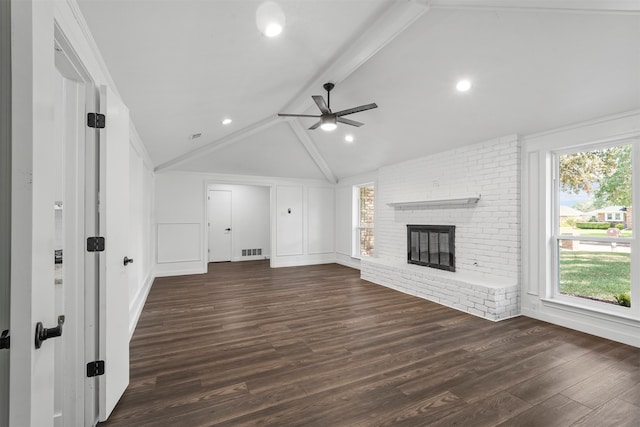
[
  {"x": 32, "y": 201},
  {"x": 219, "y": 202},
  {"x": 114, "y": 223}
]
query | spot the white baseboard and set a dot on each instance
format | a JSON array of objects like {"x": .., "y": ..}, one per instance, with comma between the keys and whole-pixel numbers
[
  {"x": 298, "y": 261},
  {"x": 614, "y": 331},
  {"x": 348, "y": 261},
  {"x": 250, "y": 258},
  {"x": 181, "y": 272},
  {"x": 135, "y": 309}
]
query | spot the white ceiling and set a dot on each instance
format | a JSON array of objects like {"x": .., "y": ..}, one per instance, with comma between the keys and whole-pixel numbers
[{"x": 181, "y": 66}]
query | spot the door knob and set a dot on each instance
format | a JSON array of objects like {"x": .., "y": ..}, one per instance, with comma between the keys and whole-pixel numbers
[
  {"x": 5, "y": 339},
  {"x": 127, "y": 260},
  {"x": 43, "y": 334}
]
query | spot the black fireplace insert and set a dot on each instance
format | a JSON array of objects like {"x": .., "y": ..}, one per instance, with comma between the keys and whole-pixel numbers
[{"x": 432, "y": 246}]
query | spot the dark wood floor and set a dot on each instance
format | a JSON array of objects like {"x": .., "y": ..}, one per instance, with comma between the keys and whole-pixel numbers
[{"x": 317, "y": 346}]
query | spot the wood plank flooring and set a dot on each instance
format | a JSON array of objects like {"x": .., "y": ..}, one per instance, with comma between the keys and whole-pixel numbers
[{"x": 317, "y": 346}]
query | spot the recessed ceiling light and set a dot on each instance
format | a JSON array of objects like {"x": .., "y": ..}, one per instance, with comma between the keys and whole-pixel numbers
[
  {"x": 348, "y": 138},
  {"x": 226, "y": 121},
  {"x": 270, "y": 19},
  {"x": 463, "y": 85},
  {"x": 273, "y": 29}
]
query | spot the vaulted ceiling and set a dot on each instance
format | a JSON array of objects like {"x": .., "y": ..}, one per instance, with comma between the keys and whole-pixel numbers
[{"x": 181, "y": 66}]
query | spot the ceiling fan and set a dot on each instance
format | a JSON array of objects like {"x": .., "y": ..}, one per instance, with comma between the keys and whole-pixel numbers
[{"x": 328, "y": 119}]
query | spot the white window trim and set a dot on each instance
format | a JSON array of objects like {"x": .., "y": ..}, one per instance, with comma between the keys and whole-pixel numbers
[
  {"x": 553, "y": 297},
  {"x": 537, "y": 232},
  {"x": 355, "y": 241}
]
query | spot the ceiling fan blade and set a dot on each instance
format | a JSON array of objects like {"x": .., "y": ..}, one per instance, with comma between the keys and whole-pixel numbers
[
  {"x": 321, "y": 104},
  {"x": 349, "y": 122},
  {"x": 356, "y": 109},
  {"x": 315, "y": 126},
  {"x": 295, "y": 115}
]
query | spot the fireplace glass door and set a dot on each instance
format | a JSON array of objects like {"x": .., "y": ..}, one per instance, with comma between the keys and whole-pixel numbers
[{"x": 431, "y": 246}]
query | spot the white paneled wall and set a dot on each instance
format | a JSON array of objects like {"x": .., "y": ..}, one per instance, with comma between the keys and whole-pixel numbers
[
  {"x": 289, "y": 220},
  {"x": 180, "y": 198},
  {"x": 141, "y": 248},
  {"x": 344, "y": 220},
  {"x": 321, "y": 220}
]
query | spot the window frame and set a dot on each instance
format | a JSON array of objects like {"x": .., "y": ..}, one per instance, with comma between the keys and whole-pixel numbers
[
  {"x": 553, "y": 291},
  {"x": 356, "y": 227}
]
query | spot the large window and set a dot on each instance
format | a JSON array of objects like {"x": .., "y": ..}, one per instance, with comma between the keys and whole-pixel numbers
[
  {"x": 364, "y": 197},
  {"x": 594, "y": 227}
]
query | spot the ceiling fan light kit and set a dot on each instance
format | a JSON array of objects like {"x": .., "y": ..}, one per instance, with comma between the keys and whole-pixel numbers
[
  {"x": 328, "y": 123},
  {"x": 328, "y": 119}
]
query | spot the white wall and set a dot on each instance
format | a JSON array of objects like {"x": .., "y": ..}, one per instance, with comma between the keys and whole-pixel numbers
[
  {"x": 250, "y": 219},
  {"x": 180, "y": 201}
]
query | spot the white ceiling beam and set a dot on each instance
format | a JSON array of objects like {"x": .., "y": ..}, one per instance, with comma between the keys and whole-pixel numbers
[
  {"x": 389, "y": 24},
  {"x": 586, "y": 6},
  {"x": 305, "y": 139},
  {"x": 220, "y": 143}
]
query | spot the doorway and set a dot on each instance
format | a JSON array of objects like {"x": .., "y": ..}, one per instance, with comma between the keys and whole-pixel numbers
[
  {"x": 69, "y": 209},
  {"x": 219, "y": 221},
  {"x": 238, "y": 222}
]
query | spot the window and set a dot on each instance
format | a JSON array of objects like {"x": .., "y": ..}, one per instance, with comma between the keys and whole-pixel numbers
[
  {"x": 594, "y": 252},
  {"x": 364, "y": 198},
  {"x": 614, "y": 216}
]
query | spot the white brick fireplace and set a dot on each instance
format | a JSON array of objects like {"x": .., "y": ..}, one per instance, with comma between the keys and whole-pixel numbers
[{"x": 432, "y": 191}]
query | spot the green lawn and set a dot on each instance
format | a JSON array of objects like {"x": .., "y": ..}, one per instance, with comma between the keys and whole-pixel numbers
[{"x": 595, "y": 275}]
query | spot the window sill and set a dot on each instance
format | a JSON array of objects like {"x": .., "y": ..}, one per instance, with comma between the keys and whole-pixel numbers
[{"x": 628, "y": 319}]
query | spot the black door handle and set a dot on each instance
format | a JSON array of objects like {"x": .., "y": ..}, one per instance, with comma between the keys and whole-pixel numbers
[
  {"x": 127, "y": 260},
  {"x": 5, "y": 340},
  {"x": 227, "y": 229},
  {"x": 43, "y": 334}
]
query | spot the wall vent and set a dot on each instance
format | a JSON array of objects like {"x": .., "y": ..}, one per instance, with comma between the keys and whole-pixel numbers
[{"x": 251, "y": 252}]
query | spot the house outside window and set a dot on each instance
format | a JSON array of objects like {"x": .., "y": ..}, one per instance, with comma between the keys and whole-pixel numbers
[{"x": 364, "y": 209}]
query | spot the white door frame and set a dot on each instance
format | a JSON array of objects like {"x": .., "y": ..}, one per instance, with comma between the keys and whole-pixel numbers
[
  {"x": 5, "y": 199},
  {"x": 80, "y": 201},
  {"x": 212, "y": 185}
]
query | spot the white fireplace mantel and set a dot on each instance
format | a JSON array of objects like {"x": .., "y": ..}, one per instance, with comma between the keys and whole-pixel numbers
[{"x": 459, "y": 200}]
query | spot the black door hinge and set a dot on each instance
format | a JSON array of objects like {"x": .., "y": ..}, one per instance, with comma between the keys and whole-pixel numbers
[
  {"x": 5, "y": 339},
  {"x": 95, "y": 244},
  {"x": 96, "y": 120},
  {"x": 95, "y": 369}
]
